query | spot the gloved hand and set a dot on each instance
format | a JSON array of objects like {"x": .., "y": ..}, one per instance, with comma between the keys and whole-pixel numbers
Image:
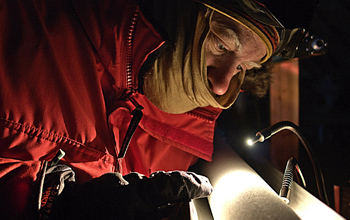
[{"x": 133, "y": 196}]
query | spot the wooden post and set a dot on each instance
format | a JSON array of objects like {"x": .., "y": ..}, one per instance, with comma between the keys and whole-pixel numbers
[{"x": 284, "y": 106}]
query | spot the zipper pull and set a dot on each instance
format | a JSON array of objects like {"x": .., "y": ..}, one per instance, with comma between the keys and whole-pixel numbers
[{"x": 135, "y": 120}]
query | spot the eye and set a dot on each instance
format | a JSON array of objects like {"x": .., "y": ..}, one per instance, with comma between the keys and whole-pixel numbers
[
  {"x": 221, "y": 46},
  {"x": 239, "y": 67},
  {"x": 216, "y": 45}
]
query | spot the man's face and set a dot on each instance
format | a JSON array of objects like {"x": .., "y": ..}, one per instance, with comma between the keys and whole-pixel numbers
[{"x": 230, "y": 48}]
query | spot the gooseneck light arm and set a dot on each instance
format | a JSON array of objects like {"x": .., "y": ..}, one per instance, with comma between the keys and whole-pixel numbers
[{"x": 266, "y": 133}]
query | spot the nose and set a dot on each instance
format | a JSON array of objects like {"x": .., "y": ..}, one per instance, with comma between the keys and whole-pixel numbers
[{"x": 220, "y": 77}]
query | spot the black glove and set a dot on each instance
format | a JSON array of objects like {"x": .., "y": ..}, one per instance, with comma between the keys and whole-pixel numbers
[{"x": 133, "y": 196}]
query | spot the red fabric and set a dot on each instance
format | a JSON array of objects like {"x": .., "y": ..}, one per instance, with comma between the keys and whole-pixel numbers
[
  {"x": 62, "y": 66},
  {"x": 164, "y": 141},
  {"x": 16, "y": 178}
]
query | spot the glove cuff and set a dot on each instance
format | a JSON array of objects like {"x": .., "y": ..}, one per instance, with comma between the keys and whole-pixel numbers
[{"x": 54, "y": 180}]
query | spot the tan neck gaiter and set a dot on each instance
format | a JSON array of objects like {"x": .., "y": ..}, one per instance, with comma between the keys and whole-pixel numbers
[{"x": 178, "y": 83}]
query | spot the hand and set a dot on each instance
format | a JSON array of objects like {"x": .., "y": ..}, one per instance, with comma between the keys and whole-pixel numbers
[
  {"x": 133, "y": 196},
  {"x": 162, "y": 188}
]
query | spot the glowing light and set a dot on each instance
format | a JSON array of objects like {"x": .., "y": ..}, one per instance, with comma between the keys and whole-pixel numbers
[
  {"x": 250, "y": 142},
  {"x": 258, "y": 138}
]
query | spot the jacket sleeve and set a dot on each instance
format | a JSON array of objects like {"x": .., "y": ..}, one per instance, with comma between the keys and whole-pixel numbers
[
  {"x": 30, "y": 61},
  {"x": 19, "y": 188}
]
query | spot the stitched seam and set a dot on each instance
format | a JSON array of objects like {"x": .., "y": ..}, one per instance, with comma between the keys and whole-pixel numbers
[
  {"x": 36, "y": 132},
  {"x": 45, "y": 135}
]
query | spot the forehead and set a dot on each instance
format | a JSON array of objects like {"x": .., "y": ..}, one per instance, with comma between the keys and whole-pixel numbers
[
  {"x": 226, "y": 22},
  {"x": 247, "y": 38}
]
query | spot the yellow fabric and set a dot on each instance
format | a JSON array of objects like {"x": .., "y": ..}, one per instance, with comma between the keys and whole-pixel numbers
[{"x": 178, "y": 82}]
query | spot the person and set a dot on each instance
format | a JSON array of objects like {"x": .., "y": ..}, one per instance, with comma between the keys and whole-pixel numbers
[{"x": 106, "y": 104}]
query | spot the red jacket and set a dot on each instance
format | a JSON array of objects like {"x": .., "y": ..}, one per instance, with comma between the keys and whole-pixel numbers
[{"x": 64, "y": 67}]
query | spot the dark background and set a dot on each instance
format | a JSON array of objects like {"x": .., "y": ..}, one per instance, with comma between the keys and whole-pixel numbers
[{"x": 324, "y": 101}]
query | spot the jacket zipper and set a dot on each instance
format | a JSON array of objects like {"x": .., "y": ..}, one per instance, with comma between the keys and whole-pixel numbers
[
  {"x": 130, "y": 91},
  {"x": 129, "y": 51}
]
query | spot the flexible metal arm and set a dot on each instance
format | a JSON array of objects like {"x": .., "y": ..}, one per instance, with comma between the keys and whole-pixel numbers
[
  {"x": 266, "y": 133},
  {"x": 292, "y": 164}
]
